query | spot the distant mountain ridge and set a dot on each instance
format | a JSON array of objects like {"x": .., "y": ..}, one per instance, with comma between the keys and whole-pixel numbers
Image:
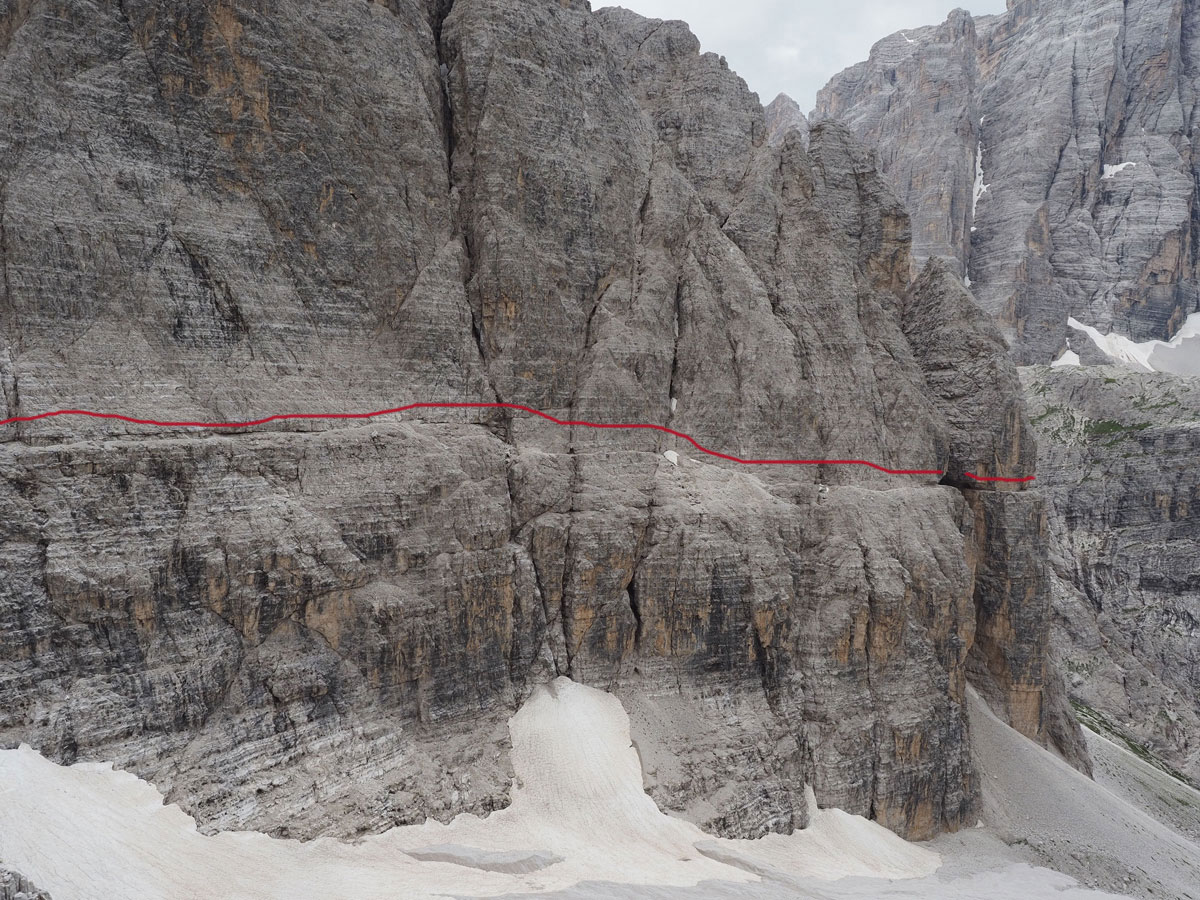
[
  {"x": 1048, "y": 150},
  {"x": 1049, "y": 154}
]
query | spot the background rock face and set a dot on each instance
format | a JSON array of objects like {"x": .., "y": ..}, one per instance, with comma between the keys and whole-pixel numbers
[
  {"x": 13, "y": 886},
  {"x": 1076, "y": 120},
  {"x": 916, "y": 101},
  {"x": 1048, "y": 151},
  {"x": 783, "y": 116},
  {"x": 1118, "y": 457},
  {"x": 220, "y": 210}
]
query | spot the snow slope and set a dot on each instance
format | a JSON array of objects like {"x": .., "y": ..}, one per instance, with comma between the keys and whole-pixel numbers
[
  {"x": 1111, "y": 172},
  {"x": 579, "y": 825},
  {"x": 1178, "y": 356}
]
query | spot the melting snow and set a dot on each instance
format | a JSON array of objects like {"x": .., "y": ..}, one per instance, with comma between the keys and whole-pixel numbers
[
  {"x": 1112, "y": 171},
  {"x": 1181, "y": 354},
  {"x": 980, "y": 187},
  {"x": 579, "y": 814}
]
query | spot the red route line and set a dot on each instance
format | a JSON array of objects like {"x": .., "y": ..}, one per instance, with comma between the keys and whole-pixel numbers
[{"x": 399, "y": 409}]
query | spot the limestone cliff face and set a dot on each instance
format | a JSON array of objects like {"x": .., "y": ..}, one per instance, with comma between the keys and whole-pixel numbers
[
  {"x": 221, "y": 210},
  {"x": 922, "y": 85},
  {"x": 1058, "y": 137},
  {"x": 14, "y": 886},
  {"x": 1048, "y": 151},
  {"x": 967, "y": 367},
  {"x": 1118, "y": 455},
  {"x": 784, "y": 116}
]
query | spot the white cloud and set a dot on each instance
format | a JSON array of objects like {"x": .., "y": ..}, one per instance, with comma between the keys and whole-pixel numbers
[
  {"x": 805, "y": 42},
  {"x": 779, "y": 55}
]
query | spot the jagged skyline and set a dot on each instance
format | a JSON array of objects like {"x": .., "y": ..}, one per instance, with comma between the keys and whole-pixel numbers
[{"x": 808, "y": 43}]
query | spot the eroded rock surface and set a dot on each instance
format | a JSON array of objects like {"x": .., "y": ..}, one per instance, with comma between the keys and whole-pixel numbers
[
  {"x": 1046, "y": 156},
  {"x": 1048, "y": 152},
  {"x": 215, "y": 211},
  {"x": 1118, "y": 455},
  {"x": 784, "y": 116},
  {"x": 14, "y": 886}
]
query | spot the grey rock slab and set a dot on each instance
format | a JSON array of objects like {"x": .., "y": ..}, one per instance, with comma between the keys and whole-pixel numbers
[
  {"x": 211, "y": 213},
  {"x": 783, "y": 117},
  {"x": 14, "y": 886},
  {"x": 1117, "y": 456},
  {"x": 1046, "y": 151}
]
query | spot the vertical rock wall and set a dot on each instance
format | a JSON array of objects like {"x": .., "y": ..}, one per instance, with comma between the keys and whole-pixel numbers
[{"x": 225, "y": 209}]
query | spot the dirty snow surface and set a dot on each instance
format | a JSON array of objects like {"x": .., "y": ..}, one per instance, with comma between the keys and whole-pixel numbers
[
  {"x": 579, "y": 826},
  {"x": 1178, "y": 356}
]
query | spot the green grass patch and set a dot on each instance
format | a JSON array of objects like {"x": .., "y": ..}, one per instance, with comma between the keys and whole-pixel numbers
[
  {"x": 1104, "y": 427},
  {"x": 1049, "y": 411}
]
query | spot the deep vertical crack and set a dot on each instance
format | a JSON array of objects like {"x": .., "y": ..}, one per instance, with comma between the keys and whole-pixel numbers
[
  {"x": 672, "y": 384},
  {"x": 635, "y": 607},
  {"x": 566, "y": 613},
  {"x": 6, "y": 282},
  {"x": 441, "y": 12},
  {"x": 445, "y": 61},
  {"x": 876, "y": 725},
  {"x": 548, "y": 618},
  {"x": 10, "y": 345}
]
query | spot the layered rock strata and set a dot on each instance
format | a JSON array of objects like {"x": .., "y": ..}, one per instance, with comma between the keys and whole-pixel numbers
[
  {"x": 1118, "y": 457},
  {"x": 219, "y": 210},
  {"x": 14, "y": 886},
  {"x": 1048, "y": 152}
]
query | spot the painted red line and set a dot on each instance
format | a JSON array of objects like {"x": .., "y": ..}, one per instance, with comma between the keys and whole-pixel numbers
[
  {"x": 282, "y": 417},
  {"x": 1024, "y": 480}
]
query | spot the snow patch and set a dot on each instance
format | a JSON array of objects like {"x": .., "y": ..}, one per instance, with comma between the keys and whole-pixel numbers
[
  {"x": 980, "y": 187},
  {"x": 674, "y": 404},
  {"x": 672, "y": 457},
  {"x": 1113, "y": 171},
  {"x": 907, "y": 38},
  {"x": 579, "y": 813},
  {"x": 1070, "y": 358},
  {"x": 1180, "y": 354}
]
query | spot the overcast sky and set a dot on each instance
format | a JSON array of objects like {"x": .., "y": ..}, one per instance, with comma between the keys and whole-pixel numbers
[{"x": 795, "y": 46}]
